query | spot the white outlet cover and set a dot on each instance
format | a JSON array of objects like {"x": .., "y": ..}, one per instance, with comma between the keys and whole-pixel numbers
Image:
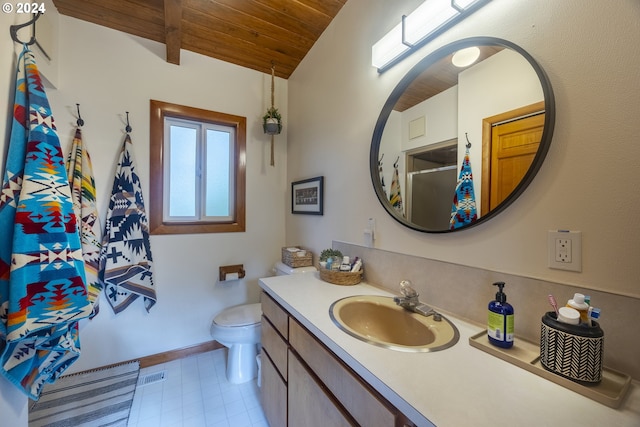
[{"x": 574, "y": 262}]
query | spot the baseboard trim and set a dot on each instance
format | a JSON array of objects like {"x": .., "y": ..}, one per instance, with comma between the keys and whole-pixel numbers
[{"x": 168, "y": 356}]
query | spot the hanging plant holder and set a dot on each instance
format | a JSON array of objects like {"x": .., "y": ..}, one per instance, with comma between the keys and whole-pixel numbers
[{"x": 272, "y": 120}]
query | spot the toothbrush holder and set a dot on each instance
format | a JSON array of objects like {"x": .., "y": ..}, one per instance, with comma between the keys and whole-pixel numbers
[{"x": 572, "y": 351}]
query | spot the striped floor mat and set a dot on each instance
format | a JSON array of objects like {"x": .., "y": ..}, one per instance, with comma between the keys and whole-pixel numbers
[{"x": 95, "y": 398}]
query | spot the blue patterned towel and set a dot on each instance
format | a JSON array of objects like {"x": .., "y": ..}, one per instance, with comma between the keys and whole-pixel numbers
[
  {"x": 464, "y": 211},
  {"x": 42, "y": 280},
  {"x": 125, "y": 258}
]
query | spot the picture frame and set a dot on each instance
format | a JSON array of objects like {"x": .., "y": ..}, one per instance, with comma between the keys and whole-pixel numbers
[{"x": 307, "y": 196}]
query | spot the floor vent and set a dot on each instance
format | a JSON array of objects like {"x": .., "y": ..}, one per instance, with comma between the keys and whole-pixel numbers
[{"x": 155, "y": 377}]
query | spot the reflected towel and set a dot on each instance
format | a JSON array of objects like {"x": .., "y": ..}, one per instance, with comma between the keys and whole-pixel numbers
[
  {"x": 126, "y": 265},
  {"x": 464, "y": 211},
  {"x": 42, "y": 282},
  {"x": 395, "y": 196},
  {"x": 83, "y": 189}
]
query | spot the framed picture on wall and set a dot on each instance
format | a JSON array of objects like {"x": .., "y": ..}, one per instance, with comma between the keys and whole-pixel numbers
[{"x": 307, "y": 196}]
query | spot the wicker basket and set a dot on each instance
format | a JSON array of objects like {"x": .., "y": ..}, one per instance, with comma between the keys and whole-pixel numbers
[
  {"x": 342, "y": 278},
  {"x": 294, "y": 260}
]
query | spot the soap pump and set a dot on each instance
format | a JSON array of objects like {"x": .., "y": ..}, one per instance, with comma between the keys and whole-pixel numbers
[{"x": 500, "y": 320}]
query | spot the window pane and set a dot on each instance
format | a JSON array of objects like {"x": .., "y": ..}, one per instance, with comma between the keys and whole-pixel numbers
[
  {"x": 184, "y": 143},
  {"x": 218, "y": 182},
  {"x": 182, "y": 171}
]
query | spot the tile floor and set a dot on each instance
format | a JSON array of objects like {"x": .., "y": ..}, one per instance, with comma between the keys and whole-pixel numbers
[{"x": 196, "y": 393}]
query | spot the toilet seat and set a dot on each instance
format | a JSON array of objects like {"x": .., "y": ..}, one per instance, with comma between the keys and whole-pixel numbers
[{"x": 241, "y": 315}]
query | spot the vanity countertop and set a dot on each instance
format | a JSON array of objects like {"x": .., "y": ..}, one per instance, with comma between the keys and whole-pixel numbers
[{"x": 459, "y": 386}]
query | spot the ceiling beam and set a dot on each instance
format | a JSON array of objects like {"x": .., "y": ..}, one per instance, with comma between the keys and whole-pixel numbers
[{"x": 172, "y": 29}]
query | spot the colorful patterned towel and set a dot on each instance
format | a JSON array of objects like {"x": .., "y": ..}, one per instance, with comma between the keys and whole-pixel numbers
[
  {"x": 125, "y": 259},
  {"x": 83, "y": 188},
  {"x": 42, "y": 282},
  {"x": 395, "y": 197},
  {"x": 463, "y": 211}
]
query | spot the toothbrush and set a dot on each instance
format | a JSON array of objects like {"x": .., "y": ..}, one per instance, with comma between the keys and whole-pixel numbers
[
  {"x": 594, "y": 313},
  {"x": 553, "y": 303}
]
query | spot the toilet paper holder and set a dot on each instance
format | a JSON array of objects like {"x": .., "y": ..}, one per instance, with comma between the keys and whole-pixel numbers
[{"x": 231, "y": 271}]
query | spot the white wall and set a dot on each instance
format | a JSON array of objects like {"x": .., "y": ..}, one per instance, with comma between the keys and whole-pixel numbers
[
  {"x": 109, "y": 73},
  {"x": 589, "y": 51}
]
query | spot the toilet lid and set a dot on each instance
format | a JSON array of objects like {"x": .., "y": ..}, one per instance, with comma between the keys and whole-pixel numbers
[{"x": 240, "y": 315}]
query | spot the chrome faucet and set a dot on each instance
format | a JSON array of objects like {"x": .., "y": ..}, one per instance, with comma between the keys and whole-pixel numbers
[{"x": 409, "y": 301}]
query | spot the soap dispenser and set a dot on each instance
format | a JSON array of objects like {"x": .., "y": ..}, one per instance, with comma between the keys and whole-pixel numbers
[{"x": 500, "y": 321}]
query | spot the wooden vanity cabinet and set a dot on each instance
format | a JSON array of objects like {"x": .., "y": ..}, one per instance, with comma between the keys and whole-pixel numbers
[
  {"x": 274, "y": 365},
  {"x": 305, "y": 385}
]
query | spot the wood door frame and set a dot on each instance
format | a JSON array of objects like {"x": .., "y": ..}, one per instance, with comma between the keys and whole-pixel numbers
[{"x": 487, "y": 126}]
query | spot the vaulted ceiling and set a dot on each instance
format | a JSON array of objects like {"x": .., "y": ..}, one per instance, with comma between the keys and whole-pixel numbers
[
  {"x": 251, "y": 33},
  {"x": 255, "y": 34}
]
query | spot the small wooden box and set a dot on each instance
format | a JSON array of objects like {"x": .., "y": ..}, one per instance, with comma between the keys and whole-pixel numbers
[{"x": 296, "y": 259}]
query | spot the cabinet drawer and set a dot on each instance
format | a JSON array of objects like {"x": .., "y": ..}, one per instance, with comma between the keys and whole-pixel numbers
[
  {"x": 356, "y": 397},
  {"x": 309, "y": 405},
  {"x": 273, "y": 394},
  {"x": 275, "y": 346},
  {"x": 276, "y": 315}
]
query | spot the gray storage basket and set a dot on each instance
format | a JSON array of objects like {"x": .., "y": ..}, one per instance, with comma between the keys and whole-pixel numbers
[{"x": 573, "y": 351}]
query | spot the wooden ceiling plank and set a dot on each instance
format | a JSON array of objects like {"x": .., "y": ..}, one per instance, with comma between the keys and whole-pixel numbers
[
  {"x": 252, "y": 26},
  {"x": 148, "y": 11},
  {"x": 141, "y": 23},
  {"x": 298, "y": 11},
  {"x": 209, "y": 26},
  {"x": 237, "y": 52},
  {"x": 172, "y": 29},
  {"x": 253, "y": 9},
  {"x": 329, "y": 8}
]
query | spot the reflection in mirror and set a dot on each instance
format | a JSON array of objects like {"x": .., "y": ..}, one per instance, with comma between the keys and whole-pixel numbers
[{"x": 492, "y": 119}]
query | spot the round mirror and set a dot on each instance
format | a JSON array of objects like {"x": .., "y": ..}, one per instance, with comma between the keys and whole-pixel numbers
[{"x": 456, "y": 144}]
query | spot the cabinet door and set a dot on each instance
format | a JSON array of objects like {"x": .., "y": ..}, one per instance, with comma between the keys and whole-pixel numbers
[
  {"x": 309, "y": 405},
  {"x": 273, "y": 393},
  {"x": 354, "y": 395}
]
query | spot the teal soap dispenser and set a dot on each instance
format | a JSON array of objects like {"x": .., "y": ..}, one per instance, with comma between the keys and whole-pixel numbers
[{"x": 500, "y": 321}]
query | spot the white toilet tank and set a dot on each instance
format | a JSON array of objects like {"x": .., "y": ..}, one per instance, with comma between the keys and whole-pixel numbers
[{"x": 282, "y": 269}]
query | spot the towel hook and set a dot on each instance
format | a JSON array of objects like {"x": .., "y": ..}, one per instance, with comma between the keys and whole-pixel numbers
[
  {"x": 80, "y": 122},
  {"x": 13, "y": 30},
  {"x": 468, "y": 142},
  {"x": 395, "y": 165},
  {"x": 380, "y": 160},
  {"x": 128, "y": 128}
]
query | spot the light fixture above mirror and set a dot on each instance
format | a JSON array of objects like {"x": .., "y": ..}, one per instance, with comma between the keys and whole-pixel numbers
[{"x": 430, "y": 19}]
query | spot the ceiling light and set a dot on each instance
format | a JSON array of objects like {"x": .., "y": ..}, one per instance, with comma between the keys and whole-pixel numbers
[
  {"x": 429, "y": 20},
  {"x": 465, "y": 57}
]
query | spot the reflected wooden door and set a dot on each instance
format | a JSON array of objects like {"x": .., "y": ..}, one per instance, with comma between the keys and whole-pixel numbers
[{"x": 509, "y": 151}]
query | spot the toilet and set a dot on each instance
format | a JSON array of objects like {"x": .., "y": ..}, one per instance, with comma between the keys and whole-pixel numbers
[{"x": 238, "y": 329}]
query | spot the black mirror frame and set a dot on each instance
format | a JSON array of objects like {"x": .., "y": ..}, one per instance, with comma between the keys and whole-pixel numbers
[{"x": 545, "y": 141}]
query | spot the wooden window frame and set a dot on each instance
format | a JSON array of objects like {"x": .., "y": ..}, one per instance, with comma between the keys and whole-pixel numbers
[{"x": 159, "y": 110}]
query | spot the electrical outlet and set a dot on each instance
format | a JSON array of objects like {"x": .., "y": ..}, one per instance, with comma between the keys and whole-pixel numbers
[{"x": 565, "y": 250}]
